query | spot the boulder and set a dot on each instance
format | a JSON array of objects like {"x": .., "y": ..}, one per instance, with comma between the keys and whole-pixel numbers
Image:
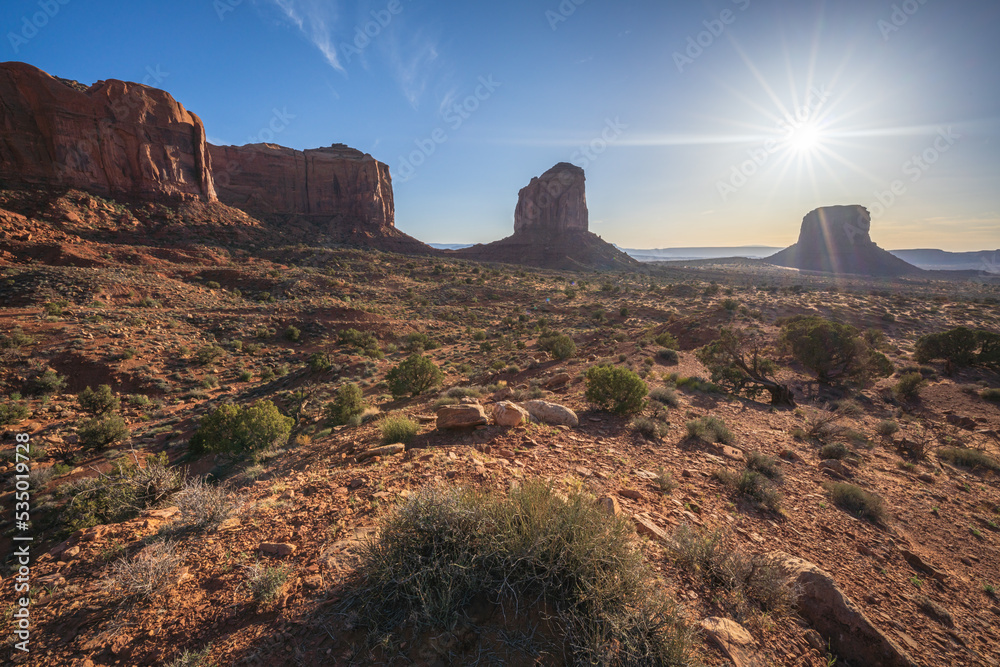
[
  {"x": 609, "y": 505},
  {"x": 461, "y": 416},
  {"x": 838, "y": 619},
  {"x": 837, "y": 467},
  {"x": 732, "y": 638},
  {"x": 837, "y": 239},
  {"x": 506, "y": 413},
  {"x": 277, "y": 548},
  {"x": 557, "y": 380},
  {"x": 551, "y": 413},
  {"x": 114, "y": 138}
]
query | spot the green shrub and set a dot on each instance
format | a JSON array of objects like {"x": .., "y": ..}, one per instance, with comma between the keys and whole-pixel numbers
[
  {"x": 16, "y": 340},
  {"x": 211, "y": 284},
  {"x": 442, "y": 549},
  {"x": 833, "y": 350},
  {"x": 768, "y": 466},
  {"x": 667, "y": 340},
  {"x": 413, "y": 376},
  {"x": 887, "y": 428},
  {"x": 969, "y": 458},
  {"x": 909, "y": 386},
  {"x": 835, "y": 450},
  {"x": 348, "y": 403},
  {"x": 232, "y": 428},
  {"x": 293, "y": 333},
  {"x": 650, "y": 428},
  {"x": 418, "y": 342},
  {"x": 560, "y": 346},
  {"x": 960, "y": 347},
  {"x": 664, "y": 396},
  {"x": 992, "y": 395},
  {"x": 668, "y": 355},
  {"x": 102, "y": 431},
  {"x": 12, "y": 412},
  {"x": 98, "y": 402},
  {"x": 320, "y": 362},
  {"x": 710, "y": 429},
  {"x": 360, "y": 340},
  {"x": 206, "y": 354},
  {"x": 48, "y": 382},
  {"x": 739, "y": 361},
  {"x": 752, "y": 485},
  {"x": 858, "y": 502},
  {"x": 616, "y": 389},
  {"x": 398, "y": 429}
]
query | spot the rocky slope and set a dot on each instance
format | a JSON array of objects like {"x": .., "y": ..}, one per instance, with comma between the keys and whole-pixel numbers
[
  {"x": 112, "y": 138},
  {"x": 836, "y": 239},
  {"x": 551, "y": 228}
]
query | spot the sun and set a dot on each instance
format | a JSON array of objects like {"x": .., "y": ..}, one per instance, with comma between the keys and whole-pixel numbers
[{"x": 804, "y": 137}]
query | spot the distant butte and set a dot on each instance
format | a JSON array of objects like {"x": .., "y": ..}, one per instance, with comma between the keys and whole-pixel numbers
[
  {"x": 551, "y": 228},
  {"x": 837, "y": 239}
]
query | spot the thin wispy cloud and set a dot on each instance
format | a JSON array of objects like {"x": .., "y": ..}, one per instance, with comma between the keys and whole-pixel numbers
[
  {"x": 414, "y": 62},
  {"x": 314, "y": 19}
]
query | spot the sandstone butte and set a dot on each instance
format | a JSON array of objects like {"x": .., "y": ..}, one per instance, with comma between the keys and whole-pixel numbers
[
  {"x": 551, "y": 228},
  {"x": 112, "y": 138},
  {"x": 837, "y": 239}
]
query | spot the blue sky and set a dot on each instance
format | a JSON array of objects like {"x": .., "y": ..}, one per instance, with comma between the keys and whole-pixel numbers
[{"x": 708, "y": 123}]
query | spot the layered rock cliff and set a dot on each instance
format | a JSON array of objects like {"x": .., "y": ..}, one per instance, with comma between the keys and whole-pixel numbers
[
  {"x": 112, "y": 138},
  {"x": 339, "y": 184},
  {"x": 551, "y": 228},
  {"x": 837, "y": 239}
]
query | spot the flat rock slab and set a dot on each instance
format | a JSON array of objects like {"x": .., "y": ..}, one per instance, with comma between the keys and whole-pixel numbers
[
  {"x": 387, "y": 450},
  {"x": 461, "y": 416},
  {"x": 733, "y": 639}
]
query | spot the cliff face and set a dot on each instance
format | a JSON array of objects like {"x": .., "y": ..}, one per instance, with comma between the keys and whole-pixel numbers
[
  {"x": 551, "y": 228},
  {"x": 837, "y": 239},
  {"x": 334, "y": 188},
  {"x": 553, "y": 203},
  {"x": 112, "y": 138}
]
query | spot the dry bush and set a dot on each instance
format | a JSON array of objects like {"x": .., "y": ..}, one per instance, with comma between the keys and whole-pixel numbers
[{"x": 144, "y": 576}]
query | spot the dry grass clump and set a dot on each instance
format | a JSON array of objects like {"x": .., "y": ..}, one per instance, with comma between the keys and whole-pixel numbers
[
  {"x": 203, "y": 505},
  {"x": 746, "y": 581},
  {"x": 443, "y": 548},
  {"x": 858, "y": 502},
  {"x": 265, "y": 581},
  {"x": 969, "y": 458},
  {"x": 710, "y": 429},
  {"x": 144, "y": 576}
]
